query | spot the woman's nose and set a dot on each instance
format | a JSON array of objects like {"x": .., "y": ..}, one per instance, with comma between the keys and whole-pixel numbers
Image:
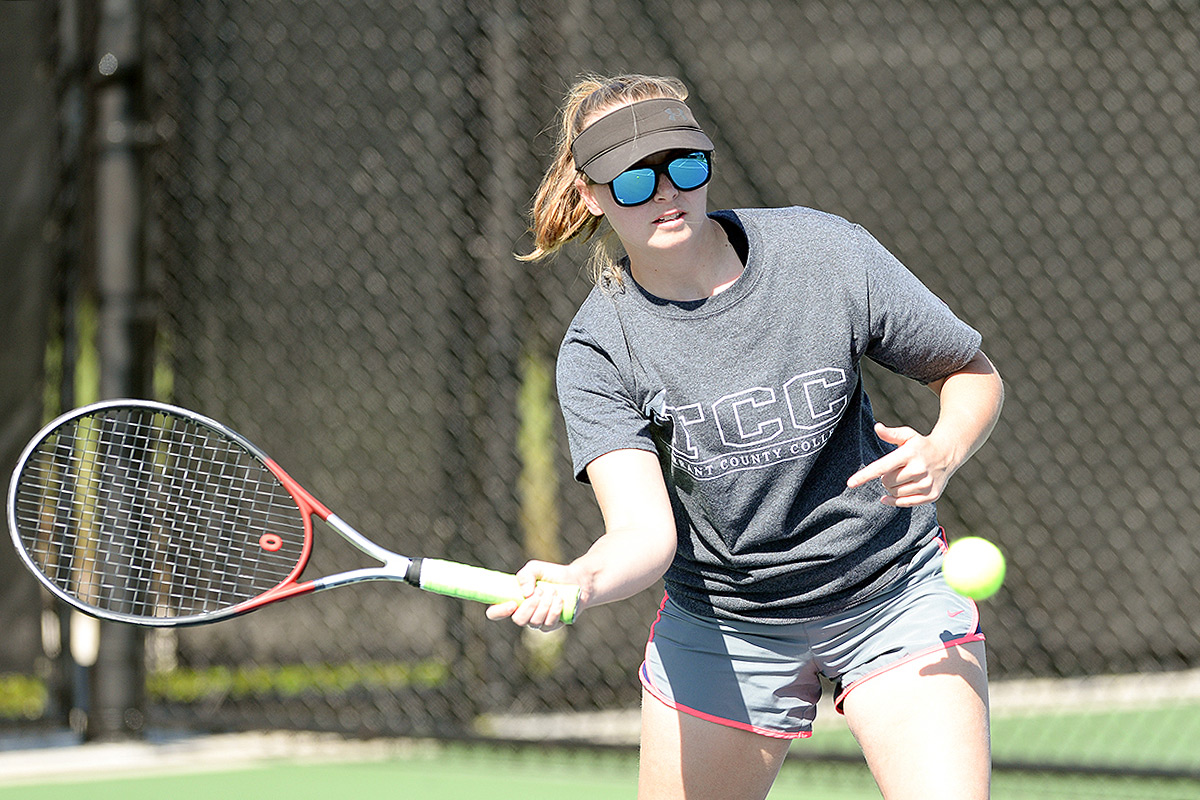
[{"x": 665, "y": 189}]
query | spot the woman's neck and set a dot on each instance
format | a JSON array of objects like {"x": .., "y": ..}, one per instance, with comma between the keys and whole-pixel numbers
[{"x": 696, "y": 272}]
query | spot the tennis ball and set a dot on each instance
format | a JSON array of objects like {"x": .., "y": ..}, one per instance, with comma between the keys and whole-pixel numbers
[{"x": 974, "y": 567}]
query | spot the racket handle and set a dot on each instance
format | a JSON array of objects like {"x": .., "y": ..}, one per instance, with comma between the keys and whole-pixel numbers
[{"x": 482, "y": 585}]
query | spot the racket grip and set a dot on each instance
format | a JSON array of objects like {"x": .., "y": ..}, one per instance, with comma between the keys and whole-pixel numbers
[{"x": 482, "y": 585}]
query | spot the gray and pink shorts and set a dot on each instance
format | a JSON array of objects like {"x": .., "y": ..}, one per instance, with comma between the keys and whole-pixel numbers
[{"x": 766, "y": 678}]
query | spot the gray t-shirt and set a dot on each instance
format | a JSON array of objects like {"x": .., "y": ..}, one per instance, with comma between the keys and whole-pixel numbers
[{"x": 754, "y": 402}]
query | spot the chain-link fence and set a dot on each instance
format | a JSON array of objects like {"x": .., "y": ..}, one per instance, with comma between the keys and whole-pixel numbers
[{"x": 335, "y": 198}]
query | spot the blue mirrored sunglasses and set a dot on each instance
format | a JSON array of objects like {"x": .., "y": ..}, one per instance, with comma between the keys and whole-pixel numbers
[{"x": 635, "y": 186}]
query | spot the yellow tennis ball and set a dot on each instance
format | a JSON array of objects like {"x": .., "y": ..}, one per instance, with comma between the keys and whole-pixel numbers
[{"x": 974, "y": 567}]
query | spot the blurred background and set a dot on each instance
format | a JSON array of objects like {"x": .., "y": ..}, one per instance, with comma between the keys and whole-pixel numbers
[{"x": 299, "y": 217}]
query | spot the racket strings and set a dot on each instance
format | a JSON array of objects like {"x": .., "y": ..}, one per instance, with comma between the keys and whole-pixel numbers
[{"x": 142, "y": 513}]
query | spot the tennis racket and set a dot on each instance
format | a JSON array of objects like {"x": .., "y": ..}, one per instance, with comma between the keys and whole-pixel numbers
[{"x": 146, "y": 513}]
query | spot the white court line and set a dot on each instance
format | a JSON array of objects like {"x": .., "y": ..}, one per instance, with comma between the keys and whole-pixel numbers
[{"x": 220, "y": 752}]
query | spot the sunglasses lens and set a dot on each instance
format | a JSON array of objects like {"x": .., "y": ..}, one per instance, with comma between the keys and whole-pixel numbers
[
  {"x": 690, "y": 172},
  {"x": 634, "y": 186}
]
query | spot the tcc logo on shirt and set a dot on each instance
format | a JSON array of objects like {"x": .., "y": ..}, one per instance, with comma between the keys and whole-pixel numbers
[{"x": 754, "y": 428}]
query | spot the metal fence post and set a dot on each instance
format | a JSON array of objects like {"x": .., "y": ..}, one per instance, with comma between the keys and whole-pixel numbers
[{"x": 122, "y": 340}]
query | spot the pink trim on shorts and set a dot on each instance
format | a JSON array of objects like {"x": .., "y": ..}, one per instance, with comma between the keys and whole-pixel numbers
[
  {"x": 977, "y": 636},
  {"x": 644, "y": 676}
]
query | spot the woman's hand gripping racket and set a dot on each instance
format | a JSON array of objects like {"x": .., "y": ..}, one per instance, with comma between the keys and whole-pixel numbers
[{"x": 146, "y": 513}]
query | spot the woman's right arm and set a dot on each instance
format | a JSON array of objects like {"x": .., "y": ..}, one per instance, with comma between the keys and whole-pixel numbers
[{"x": 635, "y": 550}]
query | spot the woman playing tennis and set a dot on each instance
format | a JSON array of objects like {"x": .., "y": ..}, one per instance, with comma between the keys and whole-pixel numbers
[{"x": 713, "y": 398}]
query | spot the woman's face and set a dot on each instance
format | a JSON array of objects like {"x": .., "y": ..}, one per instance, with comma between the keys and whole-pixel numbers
[{"x": 669, "y": 218}]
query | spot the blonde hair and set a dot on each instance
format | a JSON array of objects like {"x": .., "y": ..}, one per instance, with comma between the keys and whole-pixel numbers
[{"x": 558, "y": 214}]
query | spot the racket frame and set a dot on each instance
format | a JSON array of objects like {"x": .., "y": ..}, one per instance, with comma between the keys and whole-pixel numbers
[{"x": 443, "y": 577}]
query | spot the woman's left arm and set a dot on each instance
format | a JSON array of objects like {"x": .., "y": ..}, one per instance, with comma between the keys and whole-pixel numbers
[{"x": 918, "y": 470}]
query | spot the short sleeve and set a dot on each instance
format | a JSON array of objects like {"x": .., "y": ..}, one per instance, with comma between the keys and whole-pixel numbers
[
  {"x": 598, "y": 403},
  {"x": 912, "y": 330}
]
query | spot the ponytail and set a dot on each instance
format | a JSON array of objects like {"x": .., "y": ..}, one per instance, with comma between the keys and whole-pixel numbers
[{"x": 558, "y": 214}]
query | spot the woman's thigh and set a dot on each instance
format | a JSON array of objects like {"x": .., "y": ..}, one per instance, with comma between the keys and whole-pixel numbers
[
  {"x": 686, "y": 756},
  {"x": 923, "y": 725}
]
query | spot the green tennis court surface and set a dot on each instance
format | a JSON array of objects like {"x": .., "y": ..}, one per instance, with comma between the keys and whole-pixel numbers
[{"x": 258, "y": 766}]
